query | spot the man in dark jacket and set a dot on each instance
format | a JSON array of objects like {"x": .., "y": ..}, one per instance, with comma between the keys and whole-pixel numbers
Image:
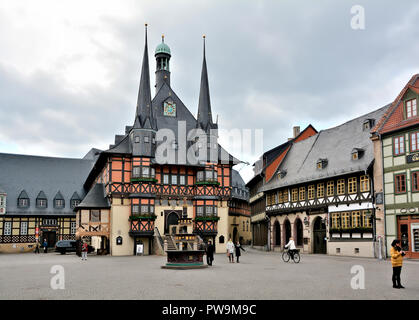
[
  {"x": 210, "y": 253},
  {"x": 238, "y": 248}
]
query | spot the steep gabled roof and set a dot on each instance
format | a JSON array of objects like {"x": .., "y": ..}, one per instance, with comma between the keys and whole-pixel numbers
[
  {"x": 393, "y": 119},
  {"x": 95, "y": 199},
  {"x": 335, "y": 145}
]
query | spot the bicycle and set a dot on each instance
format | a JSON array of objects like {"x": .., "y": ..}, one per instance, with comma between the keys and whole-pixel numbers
[{"x": 286, "y": 256}]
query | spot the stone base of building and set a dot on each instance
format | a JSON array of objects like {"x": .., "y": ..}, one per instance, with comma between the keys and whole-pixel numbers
[
  {"x": 17, "y": 247},
  {"x": 351, "y": 249}
]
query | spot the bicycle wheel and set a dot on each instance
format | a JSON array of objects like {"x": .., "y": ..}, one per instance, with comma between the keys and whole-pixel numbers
[
  {"x": 296, "y": 257},
  {"x": 285, "y": 256}
]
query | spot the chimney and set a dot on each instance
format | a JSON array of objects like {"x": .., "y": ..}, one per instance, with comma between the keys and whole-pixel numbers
[{"x": 296, "y": 131}]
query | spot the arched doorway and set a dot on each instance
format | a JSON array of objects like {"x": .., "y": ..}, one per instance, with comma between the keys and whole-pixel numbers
[
  {"x": 277, "y": 234},
  {"x": 171, "y": 221},
  {"x": 298, "y": 225},
  {"x": 319, "y": 236},
  {"x": 235, "y": 235},
  {"x": 287, "y": 228}
]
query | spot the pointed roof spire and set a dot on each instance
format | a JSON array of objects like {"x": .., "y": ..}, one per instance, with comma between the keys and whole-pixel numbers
[
  {"x": 144, "y": 118},
  {"x": 204, "y": 118}
]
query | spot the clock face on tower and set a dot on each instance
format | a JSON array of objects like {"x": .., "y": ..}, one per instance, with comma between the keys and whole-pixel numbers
[{"x": 169, "y": 109}]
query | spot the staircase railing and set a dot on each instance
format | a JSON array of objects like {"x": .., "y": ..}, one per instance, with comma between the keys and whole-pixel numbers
[{"x": 159, "y": 237}]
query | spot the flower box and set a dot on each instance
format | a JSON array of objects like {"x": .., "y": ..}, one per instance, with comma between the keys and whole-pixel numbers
[{"x": 142, "y": 217}]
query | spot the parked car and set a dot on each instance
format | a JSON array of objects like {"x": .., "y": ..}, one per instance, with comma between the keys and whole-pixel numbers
[{"x": 64, "y": 246}]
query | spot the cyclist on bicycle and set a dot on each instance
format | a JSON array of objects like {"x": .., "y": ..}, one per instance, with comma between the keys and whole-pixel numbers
[{"x": 291, "y": 247}]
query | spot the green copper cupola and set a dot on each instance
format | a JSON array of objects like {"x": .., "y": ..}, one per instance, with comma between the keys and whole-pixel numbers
[{"x": 162, "y": 55}]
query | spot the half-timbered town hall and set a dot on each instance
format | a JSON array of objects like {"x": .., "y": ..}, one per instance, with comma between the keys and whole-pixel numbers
[{"x": 164, "y": 183}]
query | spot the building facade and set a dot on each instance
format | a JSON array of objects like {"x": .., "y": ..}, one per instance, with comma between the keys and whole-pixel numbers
[
  {"x": 165, "y": 183},
  {"x": 162, "y": 190},
  {"x": 264, "y": 170},
  {"x": 322, "y": 192},
  {"x": 396, "y": 137},
  {"x": 37, "y": 198}
]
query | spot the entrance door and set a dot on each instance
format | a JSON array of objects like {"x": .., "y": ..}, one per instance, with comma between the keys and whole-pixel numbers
[
  {"x": 287, "y": 227},
  {"x": 415, "y": 238},
  {"x": 319, "y": 236},
  {"x": 277, "y": 230},
  {"x": 51, "y": 237},
  {"x": 171, "y": 222},
  {"x": 235, "y": 235}
]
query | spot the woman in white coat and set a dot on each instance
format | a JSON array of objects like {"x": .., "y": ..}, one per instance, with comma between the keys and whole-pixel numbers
[
  {"x": 291, "y": 247},
  {"x": 230, "y": 250}
]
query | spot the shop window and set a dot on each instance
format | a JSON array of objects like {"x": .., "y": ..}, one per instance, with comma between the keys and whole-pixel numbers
[
  {"x": 346, "y": 220},
  {"x": 367, "y": 219},
  {"x": 356, "y": 219},
  {"x": 335, "y": 221}
]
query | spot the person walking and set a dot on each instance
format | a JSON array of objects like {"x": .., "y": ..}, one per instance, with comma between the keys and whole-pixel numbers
[
  {"x": 210, "y": 253},
  {"x": 238, "y": 253},
  {"x": 84, "y": 249},
  {"x": 397, "y": 255},
  {"x": 291, "y": 247},
  {"x": 37, "y": 247},
  {"x": 45, "y": 245},
  {"x": 230, "y": 251}
]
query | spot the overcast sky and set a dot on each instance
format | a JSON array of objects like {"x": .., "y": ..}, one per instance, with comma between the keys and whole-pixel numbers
[{"x": 69, "y": 70}]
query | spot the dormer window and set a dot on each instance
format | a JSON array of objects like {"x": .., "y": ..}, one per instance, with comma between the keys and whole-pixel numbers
[
  {"x": 321, "y": 163},
  {"x": 23, "y": 200},
  {"x": 174, "y": 145},
  {"x": 59, "y": 201},
  {"x": 282, "y": 174},
  {"x": 2, "y": 203},
  {"x": 137, "y": 139},
  {"x": 146, "y": 139},
  {"x": 41, "y": 200},
  {"x": 368, "y": 124},
  {"x": 75, "y": 200},
  {"x": 357, "y": 153},
  {"x": 411, "y": 110}
]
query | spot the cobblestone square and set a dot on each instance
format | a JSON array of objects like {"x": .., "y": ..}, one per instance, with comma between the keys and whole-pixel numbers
[{"x": 259, "y": 275}]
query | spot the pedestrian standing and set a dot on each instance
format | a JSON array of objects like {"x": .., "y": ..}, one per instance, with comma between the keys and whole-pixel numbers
[
  {"x": 210, "y": 253},
  {"x": 397, "y": 255},
  {"x": 45, "y": 244},
  {"x": 84, "y": 249},
  {"x": 230, "y": 251},
  {"x": 238, "y": 253},
  {"x": 37, "y": 247}
]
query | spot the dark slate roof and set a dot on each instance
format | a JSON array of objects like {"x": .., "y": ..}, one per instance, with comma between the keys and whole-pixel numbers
[
  {"x": 93, "y": 154},
  {"x": 34, "y": 174},
  {"x": 2, "y": 190},
  {"x": 204, "y": 118},
  {"x": 144, "y": 118},
  {"x": 239, "y": 189},
  {"x": 41, "y": 195},
  {"x": 183, "y": 115},
  {"x": 95, "y": 198},
  {"x": 336, "y": 145}
]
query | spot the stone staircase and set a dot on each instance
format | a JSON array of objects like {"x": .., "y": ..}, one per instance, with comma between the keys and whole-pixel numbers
[{"x": 170, "y": 243}]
